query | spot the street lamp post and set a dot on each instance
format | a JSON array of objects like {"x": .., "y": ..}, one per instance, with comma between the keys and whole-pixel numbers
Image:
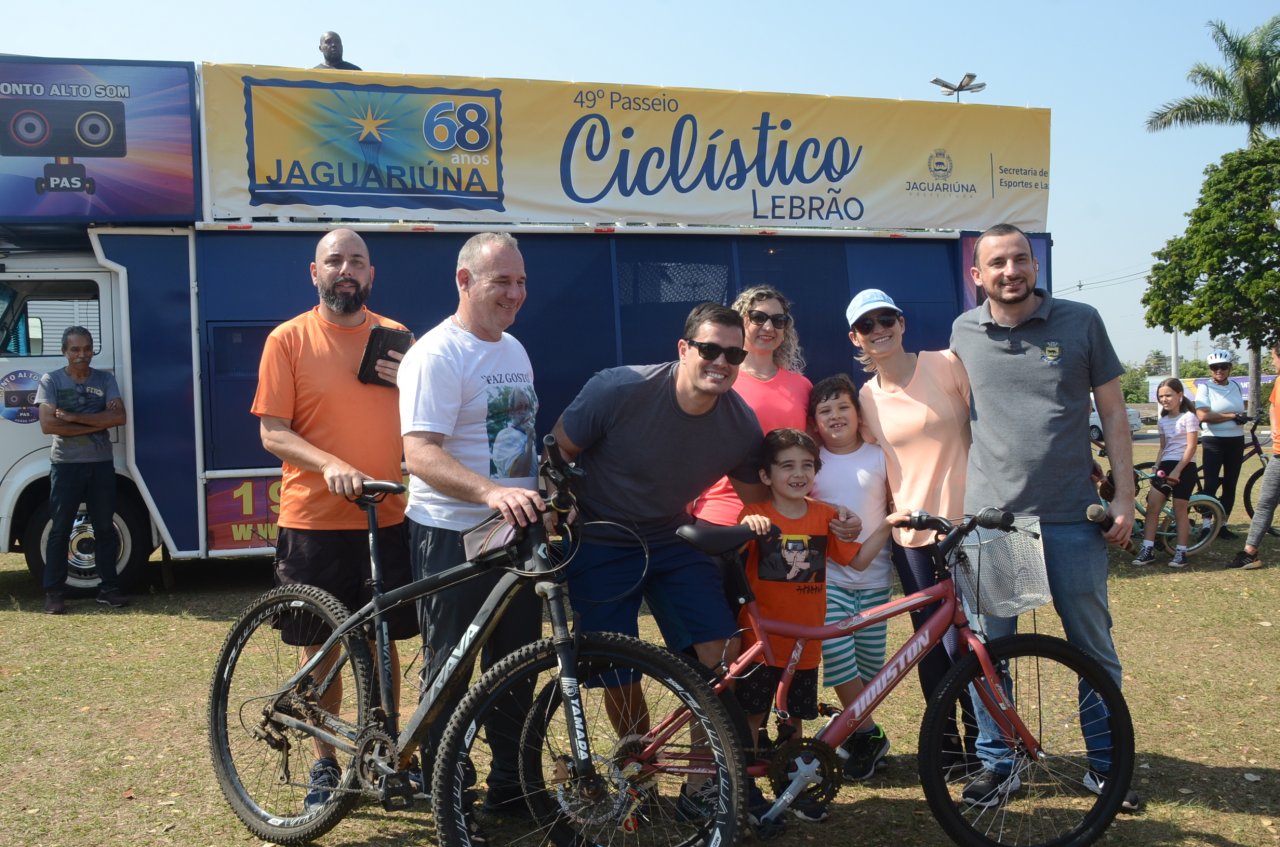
[{"x": 966, "y": 84}]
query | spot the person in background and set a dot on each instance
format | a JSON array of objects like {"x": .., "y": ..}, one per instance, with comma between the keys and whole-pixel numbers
[
  {"x": 916, "y": 407},
  {"x": 1175, "y": 471},
  {"x": 1220, "y": 408},
  {"x": 853, "y": 474},
  {"x": 331, "y": 49},
  {"x": 1269, "y": 492},
  {"x": 78, "y": 404},
  {"x": 331, "y": 431}
]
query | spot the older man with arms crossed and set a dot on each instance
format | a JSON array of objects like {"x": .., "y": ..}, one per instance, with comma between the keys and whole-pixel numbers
[
  {"x": 332, "y": 432},
  {"x": 465, "y": 379},
  {"x": 1032, "y": 361}
]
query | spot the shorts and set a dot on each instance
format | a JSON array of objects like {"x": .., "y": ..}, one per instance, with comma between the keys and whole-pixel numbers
[
  {"x": 683, "y": 588},
  {"x": 757, "y": 686},
  {"x": 337, "y": 560},
  {"x": 1186, "y": 483},
  {"x": 858, "y": 655}
]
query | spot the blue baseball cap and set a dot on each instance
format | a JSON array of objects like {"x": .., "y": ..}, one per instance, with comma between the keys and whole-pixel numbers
[{"x": 868, "y": 300}]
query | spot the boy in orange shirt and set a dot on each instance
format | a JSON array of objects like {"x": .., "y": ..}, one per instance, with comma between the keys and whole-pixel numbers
[{"x": 788, "y": 577}]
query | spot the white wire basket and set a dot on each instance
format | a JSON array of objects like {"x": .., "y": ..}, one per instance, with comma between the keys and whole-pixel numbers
[{"x": 1002, "y": 573}]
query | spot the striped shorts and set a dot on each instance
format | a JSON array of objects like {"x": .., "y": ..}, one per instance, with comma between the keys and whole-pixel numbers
[{"x": 861, "y": 653}]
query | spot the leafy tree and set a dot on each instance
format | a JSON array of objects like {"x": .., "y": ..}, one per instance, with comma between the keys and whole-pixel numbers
[
  {"x": 1246, "y": 91},
  {"x": 1156, "y": 363},
  {"x": 1133, "y": 382},
  {"x": 1223, "y": 272}
]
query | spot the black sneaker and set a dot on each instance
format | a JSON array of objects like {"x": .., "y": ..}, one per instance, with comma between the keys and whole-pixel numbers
[
  {"x": 990, "y": 788},
  {"x": 324, "y": 779},
  {"x": 866, "y": 751},
  {"x": 1096, "y": 782},
  {"x": 53, "y": 603},
  {"x": 1245, "y": 562},
  {"x": 113, "y": 598},
  {"x": 1226, "y": 534},
  {"x": 1146, "y": 555}
]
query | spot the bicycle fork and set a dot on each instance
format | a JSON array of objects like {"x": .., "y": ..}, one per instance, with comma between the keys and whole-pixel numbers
[{"x": 587, "y": 783}]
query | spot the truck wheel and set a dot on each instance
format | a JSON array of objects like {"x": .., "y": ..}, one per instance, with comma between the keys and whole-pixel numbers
[{"x": 132, "y": 528}]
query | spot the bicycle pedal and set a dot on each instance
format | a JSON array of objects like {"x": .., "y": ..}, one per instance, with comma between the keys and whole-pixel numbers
[{"x": 397, "y": 792}]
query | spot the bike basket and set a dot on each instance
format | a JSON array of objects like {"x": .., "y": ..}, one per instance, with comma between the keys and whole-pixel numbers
[{"x": 1002, "y": 573}]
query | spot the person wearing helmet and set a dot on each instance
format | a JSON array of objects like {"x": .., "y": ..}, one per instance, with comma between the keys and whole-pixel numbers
[{"x": 1220, "y": 408}]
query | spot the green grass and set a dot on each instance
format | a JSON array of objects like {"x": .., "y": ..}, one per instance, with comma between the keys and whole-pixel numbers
[{"x": 103, "y": 716}]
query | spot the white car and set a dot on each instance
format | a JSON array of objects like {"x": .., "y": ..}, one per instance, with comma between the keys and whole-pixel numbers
[{"x": 1095, "y": 423}]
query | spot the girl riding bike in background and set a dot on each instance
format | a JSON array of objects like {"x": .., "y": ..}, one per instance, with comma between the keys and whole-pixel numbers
[{"x": 1179, "y": 434}]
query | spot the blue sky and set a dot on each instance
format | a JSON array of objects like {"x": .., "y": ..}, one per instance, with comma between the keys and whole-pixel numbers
[{"x": 1119, "y": 192}]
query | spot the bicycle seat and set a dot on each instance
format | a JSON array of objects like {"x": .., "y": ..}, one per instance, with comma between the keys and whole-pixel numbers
[{"x": 715, "y": 540}]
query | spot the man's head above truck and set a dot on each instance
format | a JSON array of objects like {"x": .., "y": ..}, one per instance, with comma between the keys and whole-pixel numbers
[{"x": 343, "y": 275}]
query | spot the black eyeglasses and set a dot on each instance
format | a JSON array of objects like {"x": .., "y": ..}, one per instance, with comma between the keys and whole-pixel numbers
[
  {"x": 865, "y": 325},
  {"x": 711, "y": 351},
  {"x": 780, "y": 321},
  {"x": 1219, "y": 367}
]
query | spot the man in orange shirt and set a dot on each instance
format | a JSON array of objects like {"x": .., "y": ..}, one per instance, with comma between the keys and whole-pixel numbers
[{"x": 332, "y": 432}]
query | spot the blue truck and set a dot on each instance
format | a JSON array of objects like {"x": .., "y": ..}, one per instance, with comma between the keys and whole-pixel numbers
[{"x": 180, "y": 300}]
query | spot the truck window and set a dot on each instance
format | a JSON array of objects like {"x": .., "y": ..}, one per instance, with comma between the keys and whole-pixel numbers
[{"x": 33, "y": 320}]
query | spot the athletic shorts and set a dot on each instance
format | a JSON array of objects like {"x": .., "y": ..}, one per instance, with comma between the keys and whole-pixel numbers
[
  {"x": 337, "y": 560},
  {"x": 758, "y": 684},
  {"x": 1186, "y": 483},
  {"x": 682, "y": 586}
]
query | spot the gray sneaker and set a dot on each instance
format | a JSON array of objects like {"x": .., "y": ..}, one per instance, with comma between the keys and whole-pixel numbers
[{"x": 1179, "y": 559}]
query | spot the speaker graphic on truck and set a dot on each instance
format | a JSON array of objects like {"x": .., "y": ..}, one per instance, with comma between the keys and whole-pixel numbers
[{"x": 63, "y": 130}]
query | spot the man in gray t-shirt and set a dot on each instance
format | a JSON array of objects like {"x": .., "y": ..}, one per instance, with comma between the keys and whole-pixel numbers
[
  {"x": 651, "y": 439},
  {"x": 78, "y": 404}
]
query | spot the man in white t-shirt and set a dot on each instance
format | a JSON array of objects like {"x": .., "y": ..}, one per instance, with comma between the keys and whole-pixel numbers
[{"x": 465, "y": 379}]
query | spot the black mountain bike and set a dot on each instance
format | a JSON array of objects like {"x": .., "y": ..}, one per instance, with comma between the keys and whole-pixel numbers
[{"x": 589, "y": 763}]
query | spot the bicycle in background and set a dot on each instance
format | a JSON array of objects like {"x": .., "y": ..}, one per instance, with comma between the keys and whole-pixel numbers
[{"x": 1205, "y": 514}]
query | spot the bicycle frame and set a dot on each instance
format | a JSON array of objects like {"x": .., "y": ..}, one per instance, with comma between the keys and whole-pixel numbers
[{"x": 464, "y": 655}]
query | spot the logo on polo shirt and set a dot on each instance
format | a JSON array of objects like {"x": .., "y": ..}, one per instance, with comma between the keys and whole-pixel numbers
[{"x": 1052, "y": 352}]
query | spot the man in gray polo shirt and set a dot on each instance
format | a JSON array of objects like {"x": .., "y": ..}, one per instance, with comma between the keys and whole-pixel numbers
[
  {"x": 78, "y": 404},
  {"x": 1032, "y": 361}
]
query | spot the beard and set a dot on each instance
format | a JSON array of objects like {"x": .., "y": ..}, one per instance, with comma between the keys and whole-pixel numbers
[{"x": 342, "y": 302}]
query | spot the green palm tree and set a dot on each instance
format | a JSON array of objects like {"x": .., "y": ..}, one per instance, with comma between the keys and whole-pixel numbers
[{"x": 1246, "y": 91}]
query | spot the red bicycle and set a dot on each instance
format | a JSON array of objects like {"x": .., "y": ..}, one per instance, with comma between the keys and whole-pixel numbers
[{"x": 1061, "y": 734}]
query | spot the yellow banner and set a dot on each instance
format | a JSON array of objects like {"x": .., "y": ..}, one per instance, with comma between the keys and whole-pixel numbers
[{"x": 306, "y": 143}]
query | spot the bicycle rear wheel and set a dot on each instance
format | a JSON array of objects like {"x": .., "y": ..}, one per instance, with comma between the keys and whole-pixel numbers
[
  {"x": 1252, "y": 490},
  {"x": 642, "y": 764},
  {"x": 258, "y": 734},
  {"x": 1068, "y": 795}
]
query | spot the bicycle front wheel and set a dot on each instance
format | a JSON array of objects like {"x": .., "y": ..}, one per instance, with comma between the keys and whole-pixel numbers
[
  {"x": 1068, "y": 794},
  {"x": 261, "y": 735},
  {"x": 652, "y": 724},
  {"x": 1205, "y": 519}
]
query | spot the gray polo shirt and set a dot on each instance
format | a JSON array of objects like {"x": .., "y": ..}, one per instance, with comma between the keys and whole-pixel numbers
[{"x": 1030, "y": 407}]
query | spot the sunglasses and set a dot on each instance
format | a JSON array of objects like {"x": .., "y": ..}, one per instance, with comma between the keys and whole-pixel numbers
[
  {"x": 1219, "y": 367},
  {"x": 780, "y": 321},
  {"x": 865, "y": 325},
  {"x": 712, "y": 351}
]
